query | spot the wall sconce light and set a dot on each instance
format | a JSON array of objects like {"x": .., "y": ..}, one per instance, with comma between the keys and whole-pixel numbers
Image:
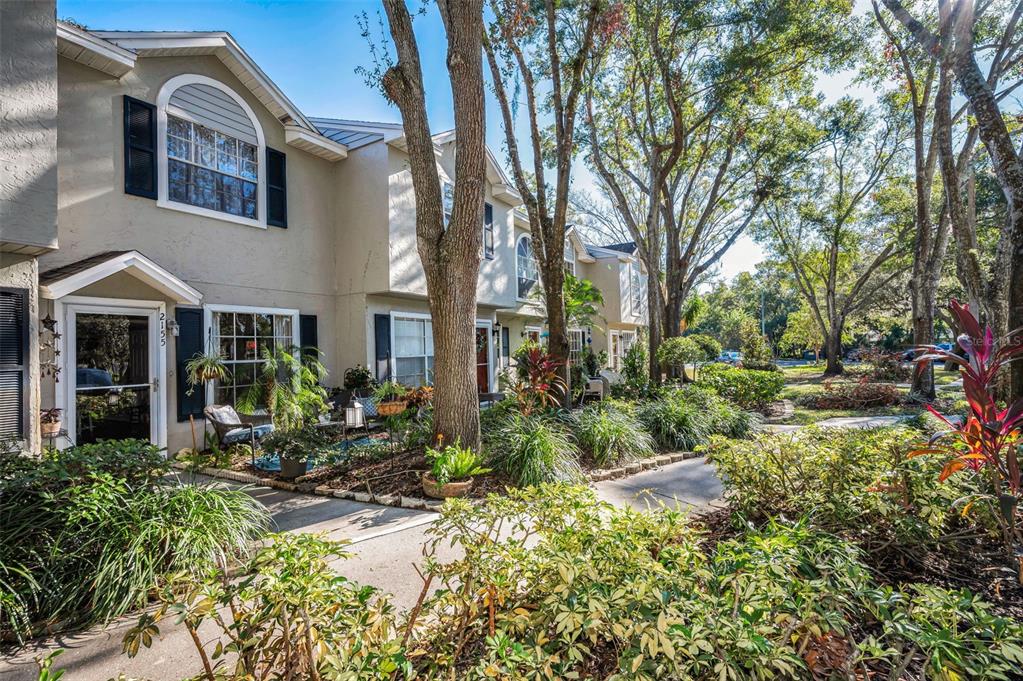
[{"x": 172, "y": 326}]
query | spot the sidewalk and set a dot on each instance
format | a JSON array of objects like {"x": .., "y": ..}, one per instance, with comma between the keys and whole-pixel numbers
[{"x": 385, "y": 542}]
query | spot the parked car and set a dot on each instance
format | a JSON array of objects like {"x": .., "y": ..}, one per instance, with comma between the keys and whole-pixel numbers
[{"x": 730, "y": 357}]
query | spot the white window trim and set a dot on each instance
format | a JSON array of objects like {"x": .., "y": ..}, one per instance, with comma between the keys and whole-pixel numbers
[
  {"x": 393, "y": 362},
  {"x": 162, "y": 200},
  {"x": 533, "y": 329},
  {"x": 537, "y": 280},
  {"x": 207, "y": 327},
  {"x": 65, "y": 309}
]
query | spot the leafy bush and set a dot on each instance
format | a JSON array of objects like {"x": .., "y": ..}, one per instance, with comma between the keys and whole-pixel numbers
[
  {"x": 635, "y": 370},
  {"x": 862, "y": 394},
  {"x": 543, "y": 388},
  {"x": 748, "y": 388},
  {"x": 610, "y": 434},
  {"x": 305, "y": 443},
  {"x": 756, "y": 353},
  {"x": 856, "y": 482},
  {"x": 684, "y": 418},
  {"x": 675, "y": 353},
  {"x": 885, "y": 366},
  {"x": 710, "y": 345},
  {"x": 533, "y": 449},
  {"x": 292, "y": 616},
  {"x": 85, "y": 537},
  {"x": 607, "y": 592},
  {"x": 953, "y": 632},
  {"x": 453, "y": 463}
]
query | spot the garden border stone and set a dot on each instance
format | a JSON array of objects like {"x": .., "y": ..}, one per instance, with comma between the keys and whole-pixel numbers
[{"x": 413, "y": 503}]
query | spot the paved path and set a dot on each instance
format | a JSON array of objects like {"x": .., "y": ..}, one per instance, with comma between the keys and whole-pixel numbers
[
  {"x": 838, "y": 422},
  {"x": 386, "y": 543}
]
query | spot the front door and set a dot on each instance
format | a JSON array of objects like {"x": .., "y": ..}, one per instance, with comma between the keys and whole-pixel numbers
[
  {"x": 112, "y": 373},
  {"x": 483, "y": 359}
]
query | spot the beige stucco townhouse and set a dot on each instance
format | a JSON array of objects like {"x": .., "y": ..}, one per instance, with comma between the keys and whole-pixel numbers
[{"x": 163, "y": 197}]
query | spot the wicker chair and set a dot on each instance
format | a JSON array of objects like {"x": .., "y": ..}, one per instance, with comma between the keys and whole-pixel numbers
[{"x": 232, "y": 428}]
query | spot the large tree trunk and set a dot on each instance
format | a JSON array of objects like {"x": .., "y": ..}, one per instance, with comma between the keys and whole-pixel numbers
[
  {"x": 833, "y": 346},
  {"x": 450, "y": 254},
  {"x": 923, "y": 334},
  {"x": 553, "y": 275},
  {"x": 654, "y": 324}
]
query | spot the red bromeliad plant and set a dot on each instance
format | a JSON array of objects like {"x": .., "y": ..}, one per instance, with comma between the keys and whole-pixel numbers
[
  {"x": 544, "y": 387},
  {"x": 988, "y": 440}
]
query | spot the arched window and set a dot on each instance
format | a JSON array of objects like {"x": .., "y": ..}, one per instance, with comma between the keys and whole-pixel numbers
[
  {"x": 211, "y": 151},
  {"x": 569, "y": 256},
  {"x": 525, "y": 266}
]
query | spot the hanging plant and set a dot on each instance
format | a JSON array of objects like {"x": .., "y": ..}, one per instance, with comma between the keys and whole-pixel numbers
[{"x": 205, "y": 367}]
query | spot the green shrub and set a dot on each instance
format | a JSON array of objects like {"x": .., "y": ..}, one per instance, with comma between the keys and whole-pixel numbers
[
  {"x": 953, "y": 633},
  {"x": 85, "y": 537},
  {"x": 856, "y": 482},
  {"x": 533, "y": 449},
  {"x": 682, "y": 418},
  {"x": 608, "y": 592},
  {"x": 293, "y": 617},
  {"x": 611, "y": 434},
  {"x": 748, "y": 388}
]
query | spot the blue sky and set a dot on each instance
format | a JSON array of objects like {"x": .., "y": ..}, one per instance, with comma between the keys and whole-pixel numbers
[{"x": 312, "y": 49}]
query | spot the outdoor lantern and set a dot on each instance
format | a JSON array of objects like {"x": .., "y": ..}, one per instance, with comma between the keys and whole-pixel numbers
[{"x": 355, "y": 415}]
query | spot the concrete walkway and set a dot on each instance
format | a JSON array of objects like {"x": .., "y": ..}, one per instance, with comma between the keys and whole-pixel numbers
[
  {"x": 385, "y": 544},
  {"x": 838, "y": 422}
]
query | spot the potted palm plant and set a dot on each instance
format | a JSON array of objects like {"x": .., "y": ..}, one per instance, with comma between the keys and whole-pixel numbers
[
  {"x": 390, "y": 397},
  {"x": 288, "y": 387},
  {"x": 49, "y": 422},
  {"x": 451, "y": 470}
]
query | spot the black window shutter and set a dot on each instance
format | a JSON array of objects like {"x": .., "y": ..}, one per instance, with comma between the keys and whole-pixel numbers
[
  {"x": 13, "y": 358},
  {"x": 382, "y": 336},
  {"x": 308, "y": 335},
  {"x": 276, "y": 188},
  {"x": 488, "y": 231},
  {"x": 189, "y": 344},
  {"x": 139, "y": 148},
  {"x": 505, "y": 342}
]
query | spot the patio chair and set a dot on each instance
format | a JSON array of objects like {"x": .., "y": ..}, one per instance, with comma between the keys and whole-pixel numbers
[
  {"x": 595, "y": 387},
  {"x": 232, "y": 428}
]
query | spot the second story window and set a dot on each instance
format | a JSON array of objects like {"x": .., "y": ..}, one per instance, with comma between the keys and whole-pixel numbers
[
  {"x": 448, "y": 201},
  {"x": 638, "y": 285},
  {"x": 488, "y": 231},
  {"x": 569, "y": 257},
  {"x": 211, "y": 152},
  {"x": 525, "y": 267},
  {"x": 212, "y": 170}
]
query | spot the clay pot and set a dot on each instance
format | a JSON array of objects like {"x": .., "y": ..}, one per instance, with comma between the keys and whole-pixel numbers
[
  {"x": 451, "y": 490},
  {"x": 291, "y": 468},
  {"x": 49, "y": 428},
  {"x": 392, "y": 408}
]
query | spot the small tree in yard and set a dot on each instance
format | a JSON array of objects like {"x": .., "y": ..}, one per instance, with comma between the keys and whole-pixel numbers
[
  {"x": 450, "y": 252},
  {"x": 675, "y": 353}
]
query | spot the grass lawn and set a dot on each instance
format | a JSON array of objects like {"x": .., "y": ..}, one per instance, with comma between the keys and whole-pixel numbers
[{"x": 803, "y": 416}]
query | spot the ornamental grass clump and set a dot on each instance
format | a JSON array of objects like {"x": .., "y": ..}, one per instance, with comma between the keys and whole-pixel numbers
[
  {"x": 684, "y": 418},
  {"x": 610, "y": 433},
  {"x": 87, "y": 533},
  {"x": 533, "y": 448}
]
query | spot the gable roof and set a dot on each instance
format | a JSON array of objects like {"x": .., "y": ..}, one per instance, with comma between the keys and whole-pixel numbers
[
  {"x": 625, "y": 247},
  {"x": 116, "y": 53},
  {"x": 65, "y": 280}
]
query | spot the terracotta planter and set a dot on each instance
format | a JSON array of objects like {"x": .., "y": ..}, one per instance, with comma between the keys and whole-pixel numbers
[
  {"x": 291, "y": 468},
  {"x": 392, "y": 408},
  {"x": 49, "y": 428},
  {"x": 451, "y": 490}
]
